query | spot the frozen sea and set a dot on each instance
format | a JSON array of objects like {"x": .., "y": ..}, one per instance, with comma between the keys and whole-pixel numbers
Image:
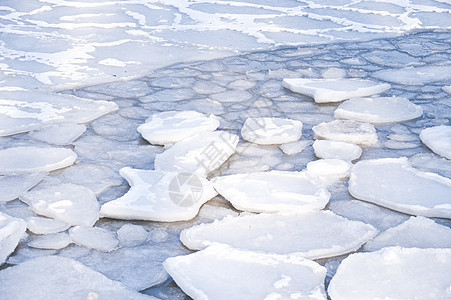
[{"x": 135, "y": 58}]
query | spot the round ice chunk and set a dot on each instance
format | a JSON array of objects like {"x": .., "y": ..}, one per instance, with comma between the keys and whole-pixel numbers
[
  {"x": 51, "y": 241},
  {"x": 94, "y": 238},
  {"x": 438, "y": 139},
  {"x": 268, "y": 131},
  {"x": 347, "y": 131},
  {"x": 328, "y": 170},
  {"x": 336, "y": 150},
  {"x": 132, "y": 235},
  {"x": 39, "y": 225}
]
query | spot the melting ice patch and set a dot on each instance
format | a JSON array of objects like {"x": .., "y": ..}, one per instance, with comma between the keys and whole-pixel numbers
[
  {"x": 268, "y": 131},
  {"x": 94, "y": 238},
  {"x": 12, "y": 186},
  {"x": 438, "y": 139},
  {"x": 11, "y": 231},
  {"x": 54, "y": 241},
  {"x": 60, "y": 134},
  {"x": 415, "y": 75},
  {"x": 348, "y": 131},
  {"x": 39, "y": 225}
]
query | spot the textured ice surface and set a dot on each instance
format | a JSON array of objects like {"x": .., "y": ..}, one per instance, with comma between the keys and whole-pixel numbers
[
  {"x": 349, "y": 131},
  {"x": 159, "y": 196},
  {"x": 394, "y": 273},
  {"x": 12, "y": 186},
  {"x": 274, "y": 191},
  {"x": 62, "y": 278},
  {"x": 11, "y": 231},
  {"x": 334, "y": 90},
  {"x": 438, "y": 139},
  {"x": 393, "y": 183},
  {"x": 336, "y": 150},
  {"x": 51, "y": 241},
  {"x": 35, "y": 159},
  {"x": 60, "y": 134},
  {"x": 39, "y": 225},
  {"x": 132, "y": 235},
  {"x": 417, "y": 232},
  {"x": 94, "y": 238},
  {"x": 329, "y": 170},
  {"x": 378, "y": 110},
  {"x": 415, "y": 75},
  {"x": 247, "y": 275},
  {"x": 268, "y": 131},
  {"x": 70, "y": 203},
  {"x": 172, "y": 126},
  {"x": 311, "y": 235}
]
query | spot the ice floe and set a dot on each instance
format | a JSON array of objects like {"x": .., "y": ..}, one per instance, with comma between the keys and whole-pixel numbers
[
  {"x": 94, "y": 238},
  {"x": 274, "y": 191},
  {"x": 393, "y": 183},
  {"x": 70, "y": 203},
  {"x": 334, "y": 90},
  {"x": 12, "y": 186},
  {"x": 438, "y": 139},
  {"x": 378, "y": 110},
  {"x": 62, "y": 278},
  {"x": 58, "y": 134},
  {"x": 415, "y": 75},
  {"x": 159, "y": 196},
  {"x": 294, "y": 147},
  {"x": 39, "y": 225},
  {"x": 54, "y": 241},
  {"x": 268, "y": 131},
  {"x": 170, "y": 127},
  {"x": 349, "y": 131},
  {"x": 35, "y": 159},
  {"x": 312, "y": 235},
  {"x": 329, "y": 170},
  {"x": 329, "y": 149},
  {"x": 132, "y": 235},
  {"x": 447, "y": 89},
  {"x": 233, "y": 274},
  {"x": 11, "y": 231},
  {"x": 394, "y": 273}
]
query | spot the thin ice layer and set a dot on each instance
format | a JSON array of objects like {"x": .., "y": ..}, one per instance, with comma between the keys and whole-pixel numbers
[
  {"x": 269, "y": 131},
  {"x": 39, "y": 225},
  {"x": 334, "y": 90},
  {"x": 12, "y": 186},
  {"x": 94, "y": 238},
  {"x": 59, "y": 134},
  {"x": 438, "y": 139},
  {"x": 221, "y": 272},
  {"x": 393, "y": 183},
  {"x": 11, "y": 231},
  {"x": 274, "y": 191},
  {"x": 54, "y": 241},
  {"x": 328, "y": 149},
  {"x": 159, "y": 196},
  {"x": 348, "y": 131},
  {"x": 312, "y": 235},
  {"x": 394, "y": 273}
]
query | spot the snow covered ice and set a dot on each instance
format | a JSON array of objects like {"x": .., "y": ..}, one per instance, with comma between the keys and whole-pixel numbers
[
  {"x": 438, "y": 139},
  {"x": 268, "y": 131},
  {"x": 330, "y": 149}
]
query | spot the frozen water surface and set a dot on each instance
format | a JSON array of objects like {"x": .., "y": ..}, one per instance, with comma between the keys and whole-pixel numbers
[{"x": 12, "y": 186}]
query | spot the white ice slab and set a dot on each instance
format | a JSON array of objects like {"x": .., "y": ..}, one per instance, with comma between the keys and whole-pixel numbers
[
  {"x": 132, "y": 235},
  {"x": 59, "y": 134},
  {"x": 311, "y": 235},
  {"x": 35, "y": 159},
  {"x": 94, "y": 238},
  {"x": 172, "y": 126},
  {"x": 394, "y": 273},
  {"x": 11, "y": 231},
  {"x": 54, "y": 241},
  {"x": 39, "y": 225},
  {"x": 438, "y": 139},
  {"x": 334, "y": 90},
  {"x": 274, "y": 191},
  {"x": 221, "y": 272},
  {"x": 70, "y": 203},
  {"x": 328, "y": 149},
  {"x": 348, "y": 131},
  {"x": 60, "y": 278},
  {"x": 393, "y": 183},
  {"x": 417, "y": 232},
  {"x": 199, "y": 154},
  {"x": 11, "y": 186},
  {"x": 159, "y": 196},
  {"x": 378, "y": 110},
  {"x": 268, "y": 131},
  {"x": 329, "y": 170}
]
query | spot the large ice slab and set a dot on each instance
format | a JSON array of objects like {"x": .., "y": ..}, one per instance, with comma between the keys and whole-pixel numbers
[
  {"x": 221, "y": 272},
  {"x": 312, "y": 235},
  {"x": 329, "y": 149},
  {"x": 394, "y": 273},
  {"x": 70, "y": 203},
  {"x": 268, "y": 131},
  {"x": 11, "y": 231},
  {"x": 438, "y": 139},
  {"x": 378, "y": 110},
  {"x": 393, "y": 183},
  {"x": 12, "y": 186},
  {"x": 94, "y": 238},
  {"x": 274, "y": 191},
  {"x": 349, "y": 131},
  {"x": 172, "y": 126},
  {"x": 35, "y": 159},
  {"x": 60, "y": 278},
  {"x": 159, "y": 196},
  {"x": 334, "y": 90}
]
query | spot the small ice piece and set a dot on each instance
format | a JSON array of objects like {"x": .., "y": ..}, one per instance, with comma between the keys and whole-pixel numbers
[
  {"x": 312, "y": 235},
  {"x": 199, "y": 154},
  {"x": 39, "y": 225},
  {"x": 329, "y": 171},
  {"x": 237, "y": 272},
  {"x": 438, "y": 139},
  {"x": 447, "y": 89},
  {"x": 12, "y": 186},
  {"x": 159, "y": 196},
  {"x": 379, "y": 110},
  {"x": 334, "y": 90},
  {"x": 59, "y": 134},
  {"x": 55, "y": 241},
  {"x": 269, "y": 131},
  {"x": 170, "y": 127},
  {"x": 132, "y": 235},
  {"x": 393, "y": 183},
  {"x": 70, "y": 203},
  {"x": 349, "y": 131},
  {"x": 61, "y": 278},
  {"x": 417, "y": 232},
  {"x": 394, "y": 273},
  {"x": 274, "y": 191},
  {"x": 329, "y": 149},
  {"x": 294, "y": 147},
  {"x": 94, "y": 238},
  {"x": 35, "y": 159},
  {"x": 11, "y": 231}
]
